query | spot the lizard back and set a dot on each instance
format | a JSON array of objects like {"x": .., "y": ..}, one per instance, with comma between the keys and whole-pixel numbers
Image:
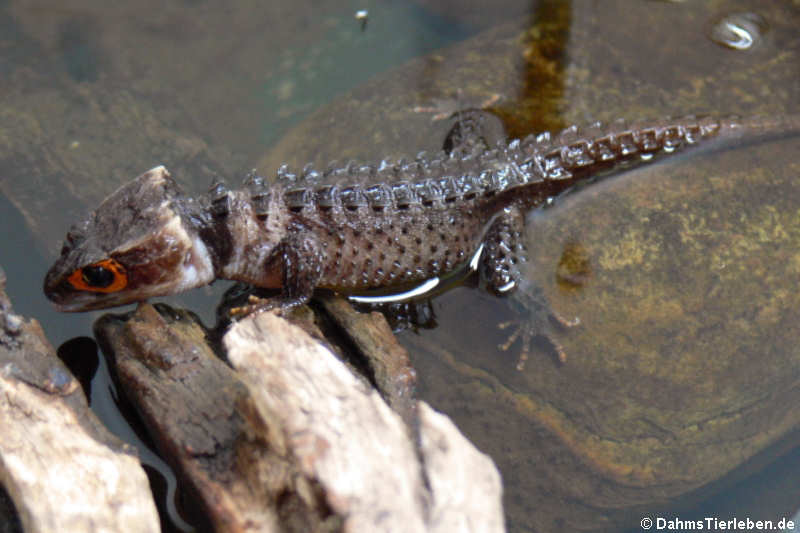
[
  {"x": 409, "y": 221},
  {"x": 395, "y": 223}
]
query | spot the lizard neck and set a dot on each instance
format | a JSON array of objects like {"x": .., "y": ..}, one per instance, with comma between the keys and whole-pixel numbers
[
  {"x": 213, "y": 235},
  {"x": 241, "y": 230}
]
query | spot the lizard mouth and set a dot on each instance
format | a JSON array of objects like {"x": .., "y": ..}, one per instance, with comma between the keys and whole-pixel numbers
[
  {"x": 75, "y": 306},
  {"x": 85, "y": 302}
]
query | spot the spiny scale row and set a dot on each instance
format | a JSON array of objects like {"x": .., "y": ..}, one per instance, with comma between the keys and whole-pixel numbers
[{"x": 447, "y": 178}]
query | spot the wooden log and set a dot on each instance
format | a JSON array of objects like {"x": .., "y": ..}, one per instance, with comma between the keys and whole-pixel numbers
[
  {"x": 388, "y": 362},
  {"x": 291, "y": 439},
  {"x": 188, "y": 399},
  {"x": 344, "y": 438},
  {"x": 464, "y": 483},
  {"x": 63, "y": 470}
]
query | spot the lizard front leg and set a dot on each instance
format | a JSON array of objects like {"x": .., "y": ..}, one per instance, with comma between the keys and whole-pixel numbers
[
  {"x": 297, "y": 260},
  {"x": 499, "y": 268}
]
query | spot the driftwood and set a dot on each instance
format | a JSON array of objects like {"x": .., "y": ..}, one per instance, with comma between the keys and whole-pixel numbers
[
  {"x": 388, "y": 362},
  {"x": 189, "y": 400},
  {"x": 63, "y": 470},
  {"x": 345, "y": 438},
  {"x": 290, "y": 439}
]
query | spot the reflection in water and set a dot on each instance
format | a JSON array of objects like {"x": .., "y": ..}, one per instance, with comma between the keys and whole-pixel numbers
[{"x": 739, "y": 31}]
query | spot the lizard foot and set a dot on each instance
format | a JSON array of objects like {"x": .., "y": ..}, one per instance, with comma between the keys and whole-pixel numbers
[
  {"x": 533, "y": 324},
  {"x": 254, "y": 304},
  {"x": 413, "y": 314},
  {"x": 241, "y": 300}
]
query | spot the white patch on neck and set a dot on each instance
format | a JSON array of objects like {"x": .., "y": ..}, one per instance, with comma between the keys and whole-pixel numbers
[{"x": 197, "y": 268}]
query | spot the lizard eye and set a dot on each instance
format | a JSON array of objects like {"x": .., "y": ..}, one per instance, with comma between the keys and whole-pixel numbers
[
  {"x": 97, "y": 276},
  {"x": 104, "y": 276}
]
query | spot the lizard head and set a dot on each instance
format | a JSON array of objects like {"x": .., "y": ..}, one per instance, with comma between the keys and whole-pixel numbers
[{"x": 140, "y": 242}]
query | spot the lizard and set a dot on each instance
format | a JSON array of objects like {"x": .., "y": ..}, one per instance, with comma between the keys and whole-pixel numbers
[{"x": 392, "y": 224}]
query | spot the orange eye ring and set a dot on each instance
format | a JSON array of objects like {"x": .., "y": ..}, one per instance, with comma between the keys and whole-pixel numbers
[{"x": 104, "y": 276}]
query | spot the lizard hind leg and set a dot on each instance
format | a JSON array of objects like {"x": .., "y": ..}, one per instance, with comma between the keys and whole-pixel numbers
[
  {"x": 499, "y": 269},
  {"x": 503, "y": 252}
]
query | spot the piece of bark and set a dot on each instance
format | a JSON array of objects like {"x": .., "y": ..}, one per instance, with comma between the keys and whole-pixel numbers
[
  {"x": 388, "y": 362},
  {"x": 63, "y": 470},
  {"x": 292, "y": 440},
  {"x": 464, "y": 483},
  {"x": 188, "y": 398},
  {"x": 346, "y": 441}
]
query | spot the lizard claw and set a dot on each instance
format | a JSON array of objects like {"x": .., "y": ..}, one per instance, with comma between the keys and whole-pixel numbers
[
  {"x": 532, "y": 324},
  {"x": 254, "y": 305}
]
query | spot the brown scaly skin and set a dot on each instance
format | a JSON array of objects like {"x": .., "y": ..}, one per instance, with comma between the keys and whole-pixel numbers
[{"x": 410, "y": 222}]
